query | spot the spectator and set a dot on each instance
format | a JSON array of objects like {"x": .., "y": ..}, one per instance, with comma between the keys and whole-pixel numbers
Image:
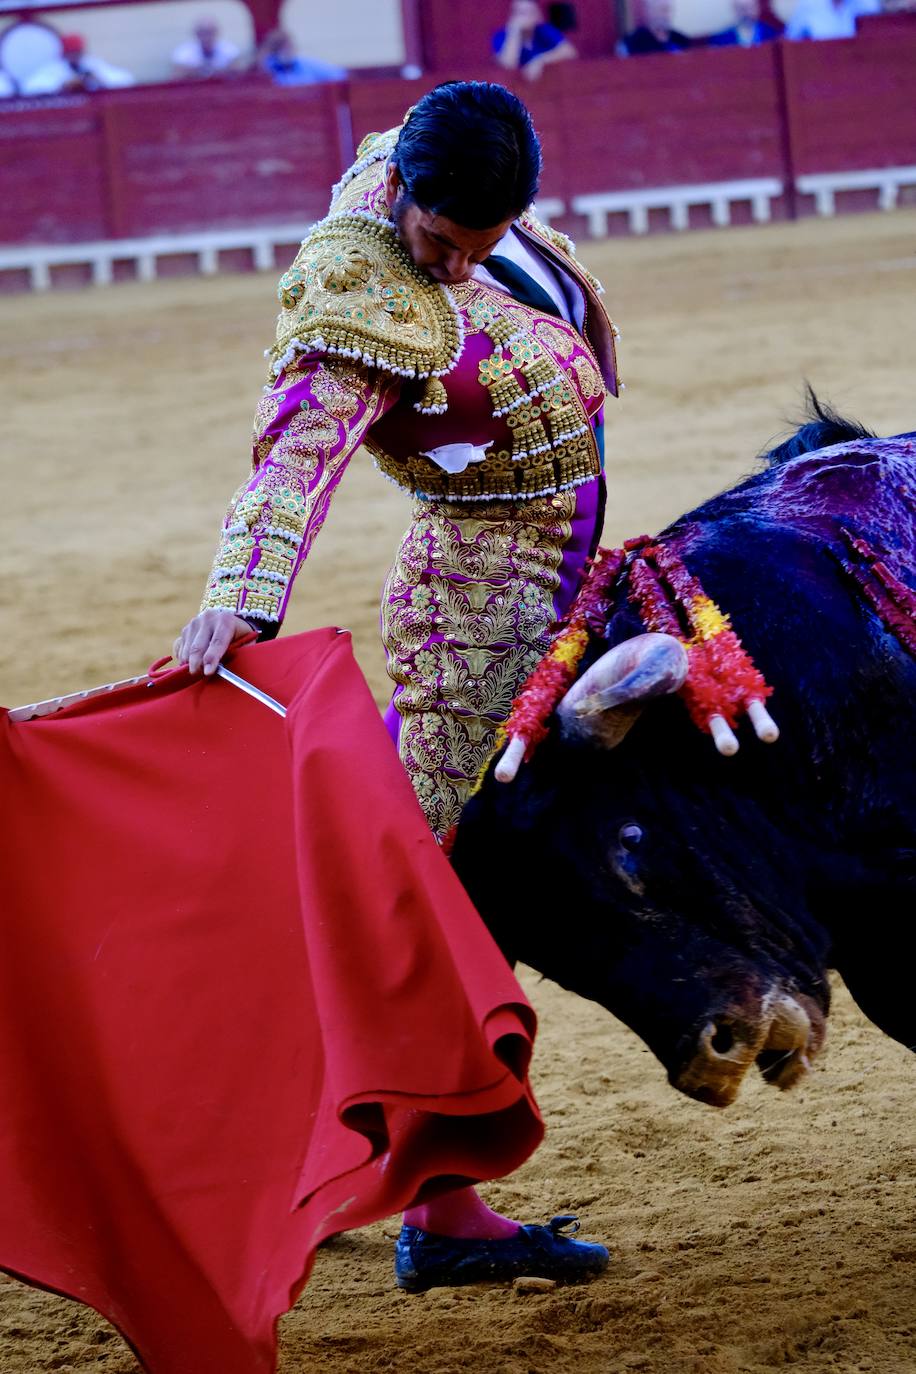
[
  {"x": 278, "y": 58},
  {"x": 204, "y": 55},
  {"x": 828, "y": 18},
  {"x": 562, "y": 17},
  {"x": 655, "y": 33},
  {"x": 748, "y": 29},
  {"x": 74, "y": 70},
  {"x": 527, "y": 43}
]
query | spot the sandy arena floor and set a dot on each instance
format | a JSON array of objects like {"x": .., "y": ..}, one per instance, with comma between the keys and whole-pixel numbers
[{"x": 777, "y": 1234}]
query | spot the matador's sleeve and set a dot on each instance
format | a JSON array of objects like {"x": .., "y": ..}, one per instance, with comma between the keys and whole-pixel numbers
[{"x": 305, "y": 431}]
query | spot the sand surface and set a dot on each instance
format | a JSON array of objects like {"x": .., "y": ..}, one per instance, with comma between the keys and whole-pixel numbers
[{"x": 779, "y": 1233}]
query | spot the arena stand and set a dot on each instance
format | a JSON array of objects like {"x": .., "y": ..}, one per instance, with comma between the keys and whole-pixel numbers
[{"x": 160, "y": 180}]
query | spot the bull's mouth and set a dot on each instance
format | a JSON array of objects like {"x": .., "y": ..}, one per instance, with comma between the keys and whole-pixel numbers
[{"x": 781, "y": 1036}]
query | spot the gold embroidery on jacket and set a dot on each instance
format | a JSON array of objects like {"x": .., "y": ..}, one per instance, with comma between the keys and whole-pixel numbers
[
  {"x": 466, "y": 614},
  {"x": 266, "y": 413},
  {"x": 306, "y": 441},
  {"x": 557, "y": 340},
  {"x": 591, "y": 382},
  {"x": 274, "y": 517},
  {"x": 354, "y": 291},
  {"x": 335, "y": 389}
]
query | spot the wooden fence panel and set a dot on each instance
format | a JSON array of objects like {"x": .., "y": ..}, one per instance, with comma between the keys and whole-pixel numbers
[
  {"x": 221, "y": 156},
  {"x": 52, "y": 171}
]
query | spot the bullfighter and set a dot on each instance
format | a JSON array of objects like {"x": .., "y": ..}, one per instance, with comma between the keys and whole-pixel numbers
[{"x": 432, "y": 319}]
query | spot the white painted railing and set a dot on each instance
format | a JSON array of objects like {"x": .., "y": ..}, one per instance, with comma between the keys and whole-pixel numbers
[
  {"x": 887, "y": 181},
  {"x": 145, "y": 253},
  {"x": 677, "y": 200},
  {"x": 39, "y": 261}
]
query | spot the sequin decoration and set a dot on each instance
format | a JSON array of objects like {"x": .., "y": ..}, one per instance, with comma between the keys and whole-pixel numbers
[
  {"x": 557, "y": 340},
  {"x": 306, "y": 440},
  {"x": 355, "y": 292},
  {"x": 466, "y": 614},
  {"x": 590, "y": 380},
  {"x": 266, "y": 412},
  {"x": 321, "y": 415}
]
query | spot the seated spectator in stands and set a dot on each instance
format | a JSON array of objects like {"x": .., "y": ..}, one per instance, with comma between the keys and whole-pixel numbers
[
  {"x": 563, "y": 17},
  {"x": 279, "y": 59},
  {"x": 748, "y": 29},
  {"x": 828, "y": 18},
  {"x": 527, "y": 43},
  {"x": 204, "y": 55},
  {"x": 655, "y": 33},
  {"x": 74, "y": 70}
]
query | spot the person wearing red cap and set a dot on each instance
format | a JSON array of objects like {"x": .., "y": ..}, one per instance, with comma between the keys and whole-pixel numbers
[{"x": 74, "y": 71}]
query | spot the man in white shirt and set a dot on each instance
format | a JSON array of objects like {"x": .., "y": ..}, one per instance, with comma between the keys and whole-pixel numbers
[
  {"x": 75, "y": 71},
  {"x": 828, "y": 18},
  {"x": 206, "y": 54}
]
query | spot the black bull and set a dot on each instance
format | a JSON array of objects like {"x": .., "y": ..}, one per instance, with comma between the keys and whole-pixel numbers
[{"x": 702, "y": 898}]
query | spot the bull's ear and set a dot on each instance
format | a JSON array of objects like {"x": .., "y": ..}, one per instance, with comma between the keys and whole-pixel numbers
[{"x": 607, "y": 700}]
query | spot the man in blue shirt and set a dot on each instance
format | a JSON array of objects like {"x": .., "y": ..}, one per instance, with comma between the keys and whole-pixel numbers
[
  {"x": 281, "y": 62},
  {"x": 527, "y": 43},
  {"x": 654, "y": 34},
  {"x": 748, "y": 29}
]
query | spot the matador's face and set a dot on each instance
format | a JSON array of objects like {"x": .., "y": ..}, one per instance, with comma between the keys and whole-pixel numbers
[{"x": 448, "y": 251}]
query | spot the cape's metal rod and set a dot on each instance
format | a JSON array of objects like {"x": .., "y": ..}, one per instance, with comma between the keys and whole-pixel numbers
[
  {"x": 47, "y": 708},
  {"x": 252, "y": 691}
]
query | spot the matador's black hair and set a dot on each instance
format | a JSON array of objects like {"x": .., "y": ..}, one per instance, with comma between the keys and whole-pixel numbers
[{"x": 468, "y": 152}]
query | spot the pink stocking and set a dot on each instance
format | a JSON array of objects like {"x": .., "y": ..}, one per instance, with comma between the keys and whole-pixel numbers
[{"x": 462, "y": 1214}]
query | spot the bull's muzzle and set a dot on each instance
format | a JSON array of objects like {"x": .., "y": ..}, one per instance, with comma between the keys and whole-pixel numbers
[{"x": 781, "y": 1039}]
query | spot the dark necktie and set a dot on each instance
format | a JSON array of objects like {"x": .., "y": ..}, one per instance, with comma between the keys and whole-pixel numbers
[{"x": 520, "y": 285}]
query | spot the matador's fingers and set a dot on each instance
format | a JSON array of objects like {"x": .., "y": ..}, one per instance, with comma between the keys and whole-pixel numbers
[{"x": 221, "y": 636}]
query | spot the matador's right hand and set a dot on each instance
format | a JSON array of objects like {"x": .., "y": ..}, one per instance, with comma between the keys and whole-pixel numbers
[{"x": 205, "y": 639}]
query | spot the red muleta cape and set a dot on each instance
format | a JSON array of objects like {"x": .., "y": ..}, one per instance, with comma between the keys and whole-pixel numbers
[{"x": 245, "y": 1002}]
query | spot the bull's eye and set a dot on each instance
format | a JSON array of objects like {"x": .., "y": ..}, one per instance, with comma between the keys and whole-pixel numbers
[{"x": 629, "y": 836}]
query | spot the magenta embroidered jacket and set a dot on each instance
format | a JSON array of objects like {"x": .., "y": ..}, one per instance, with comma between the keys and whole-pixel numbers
[{"x": 459, "y": 393}]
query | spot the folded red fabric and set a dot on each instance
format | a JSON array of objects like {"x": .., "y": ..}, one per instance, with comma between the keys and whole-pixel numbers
[{"x": 245, "y": 1002}]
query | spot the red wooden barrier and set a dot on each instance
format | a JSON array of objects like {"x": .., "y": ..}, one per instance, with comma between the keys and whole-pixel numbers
[
  {"x": 709, "y": 115},
  {"x": 673, "y": 119},
  {"x": 166, "y": 159},
  {"x": 378, "y": 105},
  {"x": 221, "y": 156},
  {"x": 850, "y": 102},
  {"x": 52, "y": 170}
]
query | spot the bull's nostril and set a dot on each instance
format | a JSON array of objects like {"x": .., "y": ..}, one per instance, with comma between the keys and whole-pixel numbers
[{"x": 722, "y": 1040}]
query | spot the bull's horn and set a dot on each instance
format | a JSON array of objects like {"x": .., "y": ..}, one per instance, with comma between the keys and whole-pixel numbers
[
  {"x": 607, "y": 699},
  {"x": 723, "y": 736},
  {"x": 511, "y": 760},
  {"x": 765, "y": 727}
]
